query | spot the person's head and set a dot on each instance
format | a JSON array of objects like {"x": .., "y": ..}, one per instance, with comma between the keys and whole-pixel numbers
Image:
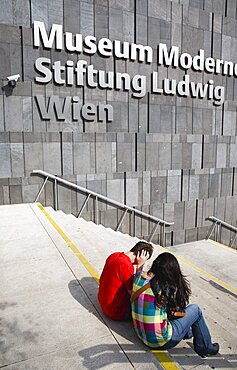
[
  {"x": 142, "y": 246},
  {"x": 168, "y": 275}
]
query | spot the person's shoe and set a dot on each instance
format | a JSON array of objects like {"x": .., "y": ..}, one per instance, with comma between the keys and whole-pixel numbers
[{"x": 213, "y": 352}]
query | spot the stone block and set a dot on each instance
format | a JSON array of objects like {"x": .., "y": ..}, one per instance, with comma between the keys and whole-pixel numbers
[
  {"x": 128, "y": 26},
  {"x": 189, "y": 214},
  {"x": 5, "y": 66},
  {"x": 178, "y": 237},
  {"x": 193, "y": 187},
  {"x": 208, "y": 210},
  {"x": 67, "y": 158},
  {"x": 152, "y": 156},
  {"x": 17, "y": 159},
  {"x": 203, "y": 186},
  {"x": 214, "y": 185},
  {"x": 191, "y": 235},
  {"x": 176, "y": 155},
  {"x": 71, "y": 12},
  {"x": 158, "y": 189},
  {"x": 125, "y": 157},
  {"x": 115, "y": 190},
  {"x": 221, "y": 155},
  {"x": 120, "y": 121},
  {"x": 226, "y": 181},
  {"x": 29, "y": 193},
  {"x": 6, "y": 14},
  {"x": 141, "y": 29},
  {"x": 164, "y": 156},
  {"x": 141, "y": 7},
  {"x": 1, "y": 114},
  {"x": 13, "y": 109},
  {"x": 15, "y": 194},
  {"x": 103, "y": 152},
  {"x": 133, "y": 117},
  {"x": 33, "y": 154},
  {"x": 173, "y": 188},
  {"x": 101, "y": 21},
  {"x": 5, "y": 162},
  {"x": 55, "y": 11},
  {"x": 196, "y": 155},
  {"x": 132, "y": 192},
  {"x": 82, "y": 158},
  {"x": 158, "y": 9},
  {"x": 39, "y": 11},
  {"x": 142, "y": 117},
  {"x": 178, "y": 215},
  {"x": 115, "y": 24},
  {"x": 141, "y": 156},
  {"x": 30, "y": 55},
  {"x": 153, "y": 33}
]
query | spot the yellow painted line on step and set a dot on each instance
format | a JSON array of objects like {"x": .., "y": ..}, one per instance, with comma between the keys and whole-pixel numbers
[
  {"x": 222, "y": 245},
  {"x": 71, "y": 245},
  {"x": 162, "y": 356},
  {"x": 219, "y": 281},
  {"x": 164, "y": 360}
]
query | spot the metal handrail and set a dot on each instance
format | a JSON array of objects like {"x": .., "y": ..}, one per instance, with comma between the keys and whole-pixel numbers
[
  {"x": 97, "y": 197},
  {"x": 217, "y": 225}
]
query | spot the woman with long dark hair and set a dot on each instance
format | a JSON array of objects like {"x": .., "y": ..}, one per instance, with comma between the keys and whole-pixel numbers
[{"x": 160, "y": 311}]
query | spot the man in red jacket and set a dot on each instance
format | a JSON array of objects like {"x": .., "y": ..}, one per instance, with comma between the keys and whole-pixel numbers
[{"x": 116, "y": 280}]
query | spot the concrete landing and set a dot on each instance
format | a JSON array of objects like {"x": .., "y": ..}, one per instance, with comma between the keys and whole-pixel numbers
[{"x": 48, "y": 304}]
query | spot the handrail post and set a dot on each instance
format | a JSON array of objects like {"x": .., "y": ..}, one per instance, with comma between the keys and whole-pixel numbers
[
  {"x": 133, "y": 222},
  {"x": 233, "y": 240},
  {"x": 211, "y": 230},
  {"x": 96, "y": 210},
  {"x": 121, "y": 220},
  {"x": 162, "y": 235},
  {"x": 55, "y": 195},
  {"x": 41, "y": 189},
  {"x": 83, "y": 206},
  {"x": 153, "y": 232}
]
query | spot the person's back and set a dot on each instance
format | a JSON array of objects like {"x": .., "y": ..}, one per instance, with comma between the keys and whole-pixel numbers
[
  {"x": 150, "y": 321},
  {"x": 116, "y": 280}
]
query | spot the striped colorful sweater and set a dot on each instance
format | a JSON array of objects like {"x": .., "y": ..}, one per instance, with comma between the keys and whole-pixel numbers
[{"x": 150, "y": 322}]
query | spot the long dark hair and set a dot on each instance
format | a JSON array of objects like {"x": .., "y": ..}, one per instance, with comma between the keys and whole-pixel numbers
[{"x": 168, "y": 283}]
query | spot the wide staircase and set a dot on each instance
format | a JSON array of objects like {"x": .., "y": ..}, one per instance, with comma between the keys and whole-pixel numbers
[{"x": 50, "y": 264}]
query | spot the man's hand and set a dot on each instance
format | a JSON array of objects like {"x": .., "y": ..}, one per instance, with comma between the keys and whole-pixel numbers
[{"x": 141, "y": 259}]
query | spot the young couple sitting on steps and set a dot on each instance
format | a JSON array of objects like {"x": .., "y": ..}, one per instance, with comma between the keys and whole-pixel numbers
[{"x": 157, "y": 300}]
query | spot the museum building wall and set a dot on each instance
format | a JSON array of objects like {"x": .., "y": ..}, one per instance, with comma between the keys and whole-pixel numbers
[{"x": 170, "y": 155}]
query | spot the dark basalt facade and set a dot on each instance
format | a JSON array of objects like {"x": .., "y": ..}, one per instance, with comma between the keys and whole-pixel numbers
[{"x": 173, "y": 155}]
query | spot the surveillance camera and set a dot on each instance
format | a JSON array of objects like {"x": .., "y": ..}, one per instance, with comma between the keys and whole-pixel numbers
[{"x": 13, "y": 78}]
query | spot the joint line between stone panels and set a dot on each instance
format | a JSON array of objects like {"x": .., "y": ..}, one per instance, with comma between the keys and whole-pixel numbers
[
  {"x": 22, "y": 53},
  {"x": 135, "y": 21},
  {"x": 196, "y": 213},
  {"x": 30, "y": 5},
  {"x": 136, "y": 154},
  {"x": 83, "y": 119},
  {"x": 181, "y": 185},
  {"x": 24, "y": 156},
  {"x": 226, "y": 6},
  {"x": 94, "y": 16},
  {"x": 124, "y": 186},
  {"x": 222, "y": 120},
  {"x": 61, "y": 151},
  {"x": 233, "y": 182},
  {"x": 148, "y": 112},
  {"x": 202, "y": 154}
]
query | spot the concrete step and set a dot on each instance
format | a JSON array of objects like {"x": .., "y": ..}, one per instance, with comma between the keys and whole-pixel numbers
[{"x": 213, "y": 305}]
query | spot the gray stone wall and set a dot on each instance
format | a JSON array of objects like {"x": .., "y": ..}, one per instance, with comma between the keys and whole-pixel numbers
[{"x": 173, "y": 157}]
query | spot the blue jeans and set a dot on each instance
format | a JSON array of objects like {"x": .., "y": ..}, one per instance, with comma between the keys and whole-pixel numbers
[{"x": 192, "y": 321}]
